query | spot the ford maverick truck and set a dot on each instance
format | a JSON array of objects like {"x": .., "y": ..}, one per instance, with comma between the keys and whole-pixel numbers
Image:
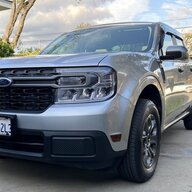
[{"x": 97, "y": 98}]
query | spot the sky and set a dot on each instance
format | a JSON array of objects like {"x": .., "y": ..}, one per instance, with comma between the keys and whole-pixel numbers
[{"x": 51, "y": 17}]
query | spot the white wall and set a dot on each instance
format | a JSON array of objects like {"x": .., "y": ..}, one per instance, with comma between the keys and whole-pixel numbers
[{"x": 4, "y": 4}]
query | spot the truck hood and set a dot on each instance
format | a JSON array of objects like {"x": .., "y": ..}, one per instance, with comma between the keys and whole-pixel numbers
[{"x": 72, "y": 60}]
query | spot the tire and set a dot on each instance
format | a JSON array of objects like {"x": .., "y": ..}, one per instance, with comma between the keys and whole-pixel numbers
[
  {"x": 188, "y": 122},
  {"x": 140, "y": 161}
]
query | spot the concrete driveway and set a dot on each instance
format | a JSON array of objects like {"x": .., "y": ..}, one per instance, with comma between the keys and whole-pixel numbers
[{"x": 174, "y": 172}]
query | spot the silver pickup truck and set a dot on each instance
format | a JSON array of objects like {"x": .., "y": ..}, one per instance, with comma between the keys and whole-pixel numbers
[{"x": 97, "y": 98}]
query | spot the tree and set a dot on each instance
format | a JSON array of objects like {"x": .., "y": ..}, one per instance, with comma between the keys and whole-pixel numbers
[
  {"x": 83, "y": 25},
  {"x": 188, "y": 42},
  {"x": 19, "y": 11}
]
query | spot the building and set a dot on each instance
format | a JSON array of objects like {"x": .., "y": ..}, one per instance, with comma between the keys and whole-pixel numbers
[{"x": 5, "y": 4}]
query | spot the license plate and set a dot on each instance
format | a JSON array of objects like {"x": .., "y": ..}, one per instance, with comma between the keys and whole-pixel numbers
[{"x": 5, "y": 126}]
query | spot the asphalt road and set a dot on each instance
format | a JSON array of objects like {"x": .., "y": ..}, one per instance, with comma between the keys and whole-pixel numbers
[{"x": 174, "y": 172}]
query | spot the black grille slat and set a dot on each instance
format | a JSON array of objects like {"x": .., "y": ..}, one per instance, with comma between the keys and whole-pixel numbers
[
  {"x": 26, "y": 99},
  {"x": 23, "y": 142},
  {"x": 36, "y": 72}
]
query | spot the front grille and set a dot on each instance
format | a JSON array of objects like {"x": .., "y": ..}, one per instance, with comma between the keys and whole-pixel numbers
[
  {"x": 31, "y": 90},
  {"x": 31, "y": 99},
  {"x": 25, "y": 142}
]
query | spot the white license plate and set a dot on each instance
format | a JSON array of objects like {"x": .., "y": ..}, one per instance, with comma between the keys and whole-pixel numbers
[{"x": 5, "y": 126}]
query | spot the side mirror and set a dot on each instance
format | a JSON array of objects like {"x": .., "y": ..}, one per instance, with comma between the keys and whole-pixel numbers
[{"x": 175, "y": 53}]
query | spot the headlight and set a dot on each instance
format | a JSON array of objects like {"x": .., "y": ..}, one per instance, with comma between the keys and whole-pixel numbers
[{"x": 85, "y": 84}]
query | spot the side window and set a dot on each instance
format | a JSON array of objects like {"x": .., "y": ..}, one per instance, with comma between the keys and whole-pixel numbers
[
  {"x": 179, "y": 41},
  {"x": 168, "y": 41}
]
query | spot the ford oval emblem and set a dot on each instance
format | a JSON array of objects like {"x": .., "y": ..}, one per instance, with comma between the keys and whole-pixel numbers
[{"x": 5, "y": 82}]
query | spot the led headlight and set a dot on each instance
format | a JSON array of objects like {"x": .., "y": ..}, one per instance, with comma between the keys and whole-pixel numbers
[{"x": 85, "y": 84}]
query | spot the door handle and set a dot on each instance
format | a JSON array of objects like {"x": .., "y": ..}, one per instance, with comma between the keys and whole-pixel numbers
[{"x": 181, "y": 69}]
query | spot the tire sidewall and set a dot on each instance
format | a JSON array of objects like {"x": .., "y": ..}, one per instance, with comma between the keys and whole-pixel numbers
[{"x": 148, "y": 108}]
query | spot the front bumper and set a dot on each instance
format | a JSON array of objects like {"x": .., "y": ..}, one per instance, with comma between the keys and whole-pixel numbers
[
  {"x": 109, "y": 117},
  {"x": 72, "y": 134},
  {"x": 90, "y": 150}
]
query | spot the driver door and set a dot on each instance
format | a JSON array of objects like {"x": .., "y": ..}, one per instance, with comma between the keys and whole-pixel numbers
[{"x": 175, "y": 78}]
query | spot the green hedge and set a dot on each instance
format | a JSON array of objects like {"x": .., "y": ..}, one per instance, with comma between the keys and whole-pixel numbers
[
  {"x": 28, "y": 52},
  {"x": 6, "y": 49}
]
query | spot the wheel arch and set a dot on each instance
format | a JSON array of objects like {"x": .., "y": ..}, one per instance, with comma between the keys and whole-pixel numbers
[
  {"x": 143, "y": 90},
  {"x": 151, "y": 89},
  {"x": 155, "y": 97}
]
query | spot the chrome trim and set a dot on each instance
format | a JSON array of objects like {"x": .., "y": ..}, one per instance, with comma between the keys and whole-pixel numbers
[{"x": 8, "y": 82}]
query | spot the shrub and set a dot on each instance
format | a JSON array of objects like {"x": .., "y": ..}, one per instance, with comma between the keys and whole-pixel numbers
[
  {"x": 6, "y": 49},
  {"x": 28, "y": 52}
]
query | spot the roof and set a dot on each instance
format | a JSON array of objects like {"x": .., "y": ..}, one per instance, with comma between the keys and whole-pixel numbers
[
  {"x": 169, "y": 29},
  {"x": 123, "y": 23},
  {"x": 164, "y": 26}
]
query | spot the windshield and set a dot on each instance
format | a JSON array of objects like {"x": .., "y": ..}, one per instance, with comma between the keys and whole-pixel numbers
[{"x": 137, "y": 38}]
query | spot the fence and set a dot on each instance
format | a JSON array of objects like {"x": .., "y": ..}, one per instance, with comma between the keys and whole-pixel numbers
[
  {"x": 36, "y": 41},
  {"x": 35, "y": 44}
]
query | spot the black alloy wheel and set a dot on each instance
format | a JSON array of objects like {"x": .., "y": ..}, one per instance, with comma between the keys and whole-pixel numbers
[{"x": 150, "y": 141}]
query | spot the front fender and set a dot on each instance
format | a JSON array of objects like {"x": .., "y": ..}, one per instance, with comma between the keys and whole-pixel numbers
[{"x": 143, "y": 83}]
